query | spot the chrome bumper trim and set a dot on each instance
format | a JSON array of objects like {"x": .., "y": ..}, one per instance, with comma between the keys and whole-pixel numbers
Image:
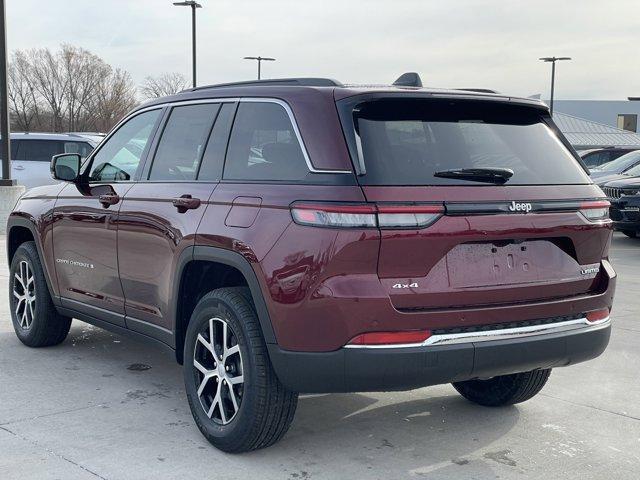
[{"x": 579, "y": 324}]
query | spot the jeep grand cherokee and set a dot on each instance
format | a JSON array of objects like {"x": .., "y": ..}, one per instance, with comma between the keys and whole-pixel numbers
[{"x": 302, "y": 235}]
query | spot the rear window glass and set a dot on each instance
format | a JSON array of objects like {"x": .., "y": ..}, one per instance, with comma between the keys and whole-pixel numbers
[
  {"x": 264, "y": 145},
  {"x": 406, "y": 141}
]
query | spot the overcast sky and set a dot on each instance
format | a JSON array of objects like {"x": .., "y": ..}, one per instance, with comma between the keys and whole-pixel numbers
[{"x": 454, "y": 43}]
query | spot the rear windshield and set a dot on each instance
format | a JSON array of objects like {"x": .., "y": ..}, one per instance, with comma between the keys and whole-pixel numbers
[{"x": 406, "y": 141}]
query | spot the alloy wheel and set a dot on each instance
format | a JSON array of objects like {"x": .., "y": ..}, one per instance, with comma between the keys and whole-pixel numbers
[
  {"x": 25, "y": 294},
  {"x": 217, "y": 363}
]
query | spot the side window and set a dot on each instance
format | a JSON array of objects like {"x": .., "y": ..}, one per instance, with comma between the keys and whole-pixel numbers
[
  {"x": 15, "y": 144},
  {"x": 182, "y": 143},
  {"x": 39, "y": 150},
  {"x": 213, "y": 159},
  {"x": 119, "y": 157},
  {"x": 263, "y": 145},
  {"x": 594, "y": 159},
  {"x": 82, "y": 148}
]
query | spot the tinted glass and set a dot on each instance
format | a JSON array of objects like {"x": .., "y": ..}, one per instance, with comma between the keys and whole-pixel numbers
[
  {"x": 596, "y": 159},
  {"x": 14, "y": 148},
  {"x": 620, "y": 164},
  {"x": 119, "y": 157},
  {"x": 406, "y": 141},
  {"x": 81, "y": 148},
  {"x": 263, "y": 145},
  {"x": 182, "y": 143},
  {"x": 39, "y": 150},
  {"x": 213, "y": 160},
  {"x": 616, "y": 154}
]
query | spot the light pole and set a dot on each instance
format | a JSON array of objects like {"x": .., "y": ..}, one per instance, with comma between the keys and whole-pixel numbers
[
  {"x": 553, "y": 61},
  {"x": 193, "y": 4},
  {"x": 5, "y": 150},
  {"x": 260, "y": 59}
]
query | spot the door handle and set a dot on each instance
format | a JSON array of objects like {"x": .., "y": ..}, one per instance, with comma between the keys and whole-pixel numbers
[
  {"x": 109, "y": 199},
  {"x": 186, "y": 202},
  {"x": 18, "y": 167}
]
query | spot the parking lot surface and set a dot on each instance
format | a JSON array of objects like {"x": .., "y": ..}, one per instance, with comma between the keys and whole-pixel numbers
[{"x": 104, "y": 406}]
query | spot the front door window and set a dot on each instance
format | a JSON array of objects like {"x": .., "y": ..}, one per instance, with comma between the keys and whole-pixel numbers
[{"x": 119, "y": 158}]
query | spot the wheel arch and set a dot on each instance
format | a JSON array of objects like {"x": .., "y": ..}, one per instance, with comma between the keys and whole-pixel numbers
[
  {"x": 19, "y": 231},
  {"x": 226, "y": 264}
]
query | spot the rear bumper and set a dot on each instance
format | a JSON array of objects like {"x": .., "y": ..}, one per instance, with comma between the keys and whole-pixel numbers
[{"x": 447, "y": 360}]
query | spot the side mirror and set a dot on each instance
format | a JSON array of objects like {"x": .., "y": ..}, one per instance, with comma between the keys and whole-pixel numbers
[{"x": 65, "y": 167}]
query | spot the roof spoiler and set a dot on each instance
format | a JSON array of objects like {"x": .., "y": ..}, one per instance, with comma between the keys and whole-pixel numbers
[
  {"x": 409, "y": 79},
  {"x": 478, "y": 90}
]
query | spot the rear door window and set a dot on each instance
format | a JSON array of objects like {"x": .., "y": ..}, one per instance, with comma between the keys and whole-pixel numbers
[
  {"x": 406, "y": 141},
  {"x": 183, "y": 141},
  {"x": 264, "y": 145}
]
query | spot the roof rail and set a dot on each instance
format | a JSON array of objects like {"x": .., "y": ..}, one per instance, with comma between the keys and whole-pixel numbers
[
  {"x": 478, "y": 90},
  {"x": 302, "y": 82}
]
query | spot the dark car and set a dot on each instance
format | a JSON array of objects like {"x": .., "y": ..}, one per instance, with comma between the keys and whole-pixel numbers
[
  {"x": 599, "y": 156},
  {"x": 305, "y": 236},
  {"x": 613, "y": 170},
  {"x": 626, "y": 175},
  {"x": 624, "y": 195}
]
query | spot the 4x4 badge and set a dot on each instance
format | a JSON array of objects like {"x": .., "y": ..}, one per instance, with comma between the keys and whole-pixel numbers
[{"x": 406, "y": 285}]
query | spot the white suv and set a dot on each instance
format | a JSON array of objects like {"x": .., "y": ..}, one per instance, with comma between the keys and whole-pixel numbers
[{"x": 31, "y": 154}]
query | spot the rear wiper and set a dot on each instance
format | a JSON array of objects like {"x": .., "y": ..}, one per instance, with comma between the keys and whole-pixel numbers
[{"x": 487, "y": 175}]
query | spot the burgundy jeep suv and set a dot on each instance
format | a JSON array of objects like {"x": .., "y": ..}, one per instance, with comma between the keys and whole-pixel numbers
[{"x": 301, "y": 235}]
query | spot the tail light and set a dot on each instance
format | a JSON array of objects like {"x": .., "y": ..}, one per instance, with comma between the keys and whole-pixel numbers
[
  {"x": 597, "y": 315},
  {"x": 408, "y": 216},
  {"x": 365, "y": 215},
  {"x": 334, "y": 215},
  {"x": 596, "y": 210},
  {"x": 406, "y": 337}
]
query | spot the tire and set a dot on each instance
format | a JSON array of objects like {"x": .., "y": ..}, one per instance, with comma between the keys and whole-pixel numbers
[
  {"x": 264, "y": 408},
  {"x": 630, "y": 233},
  {"x": 35, "y": 319},
  {"x": 504, "y": 389}
]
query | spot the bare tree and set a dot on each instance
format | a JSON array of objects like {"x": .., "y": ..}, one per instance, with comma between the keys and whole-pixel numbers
[
  {"x": 23, "y": 100},
  {"x": 51, "y": 83},
  {"x": 83, "y": 72},
  {"x": 115, "y": 96},
  {"x": 163, "y": 85},
  {"x": 71, "y": 89}
]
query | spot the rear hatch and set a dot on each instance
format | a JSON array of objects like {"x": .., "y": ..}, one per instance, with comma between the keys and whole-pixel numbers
[{"x": 495, "y": 208}]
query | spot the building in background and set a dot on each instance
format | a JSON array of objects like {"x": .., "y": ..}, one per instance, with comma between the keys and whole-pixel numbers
[
  {"x": 622, "y": 114},
  {"x": 586, "y": 134}
]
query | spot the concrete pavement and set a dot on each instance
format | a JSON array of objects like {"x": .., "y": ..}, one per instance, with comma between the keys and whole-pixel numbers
[{"x": 87, "y": 409}]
